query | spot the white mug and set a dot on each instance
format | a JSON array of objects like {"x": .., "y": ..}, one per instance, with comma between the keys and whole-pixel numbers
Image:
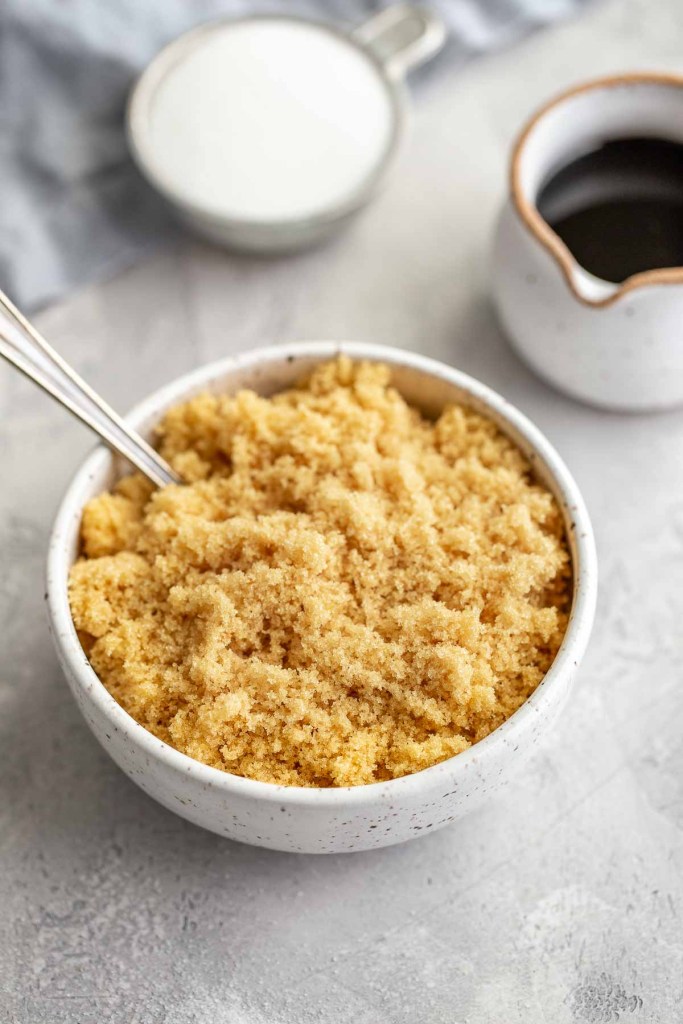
[{"x": 619, "y": 346}]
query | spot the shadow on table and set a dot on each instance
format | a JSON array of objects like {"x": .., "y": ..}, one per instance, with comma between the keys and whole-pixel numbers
[{"x": 481, "y": 349}]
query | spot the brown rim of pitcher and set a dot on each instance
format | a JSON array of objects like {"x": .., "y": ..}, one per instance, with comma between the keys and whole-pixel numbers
[{"x": 532, "y": 219}]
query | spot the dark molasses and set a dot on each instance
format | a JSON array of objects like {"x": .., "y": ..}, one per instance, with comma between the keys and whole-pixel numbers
[{"x": 619, "y": 209}]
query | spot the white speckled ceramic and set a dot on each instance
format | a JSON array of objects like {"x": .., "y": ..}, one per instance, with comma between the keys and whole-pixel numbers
[
  {"x": 324, "y": 820},
  {"x": 614, "y": 345}
]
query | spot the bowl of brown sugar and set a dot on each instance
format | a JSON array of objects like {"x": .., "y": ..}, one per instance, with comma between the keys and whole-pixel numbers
[{"x": 354, "y": 619}]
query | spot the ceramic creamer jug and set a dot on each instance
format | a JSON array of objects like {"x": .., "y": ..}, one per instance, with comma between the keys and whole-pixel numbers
[{"x": 619, "y": 346}]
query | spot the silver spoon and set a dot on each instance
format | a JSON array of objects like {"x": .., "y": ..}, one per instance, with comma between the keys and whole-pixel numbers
[{"x": 23, "y": 346}]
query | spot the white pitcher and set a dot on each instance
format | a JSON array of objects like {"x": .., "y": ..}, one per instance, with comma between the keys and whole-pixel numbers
[{"x": 619, "y": 346}]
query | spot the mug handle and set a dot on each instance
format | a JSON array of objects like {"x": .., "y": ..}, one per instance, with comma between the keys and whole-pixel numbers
[{"x": 402, "y": 37}]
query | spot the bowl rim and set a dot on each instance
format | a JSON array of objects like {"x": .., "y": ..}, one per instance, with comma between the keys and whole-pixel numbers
[{"x": 584, "y": 565}]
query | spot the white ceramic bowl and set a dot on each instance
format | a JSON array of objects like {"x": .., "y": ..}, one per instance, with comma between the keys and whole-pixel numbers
[{"x": 324, "y": 820}]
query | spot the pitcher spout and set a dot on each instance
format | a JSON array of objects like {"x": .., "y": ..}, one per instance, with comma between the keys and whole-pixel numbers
[{"x": 589, "y": 288}]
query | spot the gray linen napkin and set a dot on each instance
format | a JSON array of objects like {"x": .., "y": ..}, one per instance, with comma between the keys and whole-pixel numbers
[{"x": 72, "y": 207}]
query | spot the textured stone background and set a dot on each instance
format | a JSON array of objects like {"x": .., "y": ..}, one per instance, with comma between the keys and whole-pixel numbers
[{"x": 563, "y": 902}]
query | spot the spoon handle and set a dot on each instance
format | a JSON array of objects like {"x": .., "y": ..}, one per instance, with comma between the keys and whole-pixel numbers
[{"x": 23, "y": 346}]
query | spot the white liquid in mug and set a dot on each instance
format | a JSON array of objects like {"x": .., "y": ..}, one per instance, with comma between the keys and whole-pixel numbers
[{"x": 270, "y": 121}]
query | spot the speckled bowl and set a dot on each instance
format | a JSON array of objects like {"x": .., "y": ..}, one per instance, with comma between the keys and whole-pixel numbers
[{"x": 324, "y": 820}]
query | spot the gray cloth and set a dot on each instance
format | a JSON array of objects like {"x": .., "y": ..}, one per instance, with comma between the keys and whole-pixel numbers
[{"x": 73, "y": 209}]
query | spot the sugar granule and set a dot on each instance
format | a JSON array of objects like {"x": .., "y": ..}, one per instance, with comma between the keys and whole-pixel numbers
[{"x": 343, "y": 592}]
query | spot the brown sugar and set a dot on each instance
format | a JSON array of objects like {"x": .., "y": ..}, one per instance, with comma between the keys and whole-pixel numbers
[{"x": 343, "y": 592}]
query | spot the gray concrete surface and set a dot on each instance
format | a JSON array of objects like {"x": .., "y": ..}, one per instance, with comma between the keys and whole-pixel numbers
[{"x": 561, "y": 903}]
